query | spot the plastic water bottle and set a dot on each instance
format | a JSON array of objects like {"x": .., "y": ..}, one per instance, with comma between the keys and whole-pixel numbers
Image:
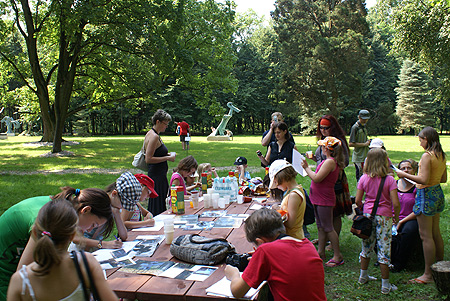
[
  {"x": 227, "y": 189},
  {"x": 234, "y": 190}
]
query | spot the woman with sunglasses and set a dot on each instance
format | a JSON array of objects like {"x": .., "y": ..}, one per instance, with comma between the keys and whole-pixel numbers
[
  {"x": 156, "y": 156},
  {"x": 329, "y": 126}
]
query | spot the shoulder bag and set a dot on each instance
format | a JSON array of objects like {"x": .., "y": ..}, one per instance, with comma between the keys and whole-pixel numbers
[
  {"x": 139, "y": 160},
  {"x": 92, "y": 287},
  {"x": 362, "y": 225},
  {"x": 197, "y": 249}
]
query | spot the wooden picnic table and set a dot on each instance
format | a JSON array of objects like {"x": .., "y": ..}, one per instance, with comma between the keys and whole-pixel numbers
[{"x": 147, "y": 287}]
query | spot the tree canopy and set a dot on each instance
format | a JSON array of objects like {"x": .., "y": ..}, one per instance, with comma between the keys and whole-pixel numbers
[{"x": 110, "y": 51}]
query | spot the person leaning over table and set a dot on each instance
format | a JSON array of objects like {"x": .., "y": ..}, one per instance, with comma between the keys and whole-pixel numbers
[
  {"x": 289, "y": 277},
  {"x": 17, "y": 243},
  {"x": 126, "y": 191},
  {"x": 156, "y": 156},
  {"x": 279, "y": 149},
  {"x": 53, "y": 274}
]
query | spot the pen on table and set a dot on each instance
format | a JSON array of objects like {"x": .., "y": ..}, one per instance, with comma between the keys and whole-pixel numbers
[{"x": 116, "y": 238}]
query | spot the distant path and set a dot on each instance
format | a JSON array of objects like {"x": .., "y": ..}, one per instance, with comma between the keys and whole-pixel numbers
[{"x": 102, "y": 171}]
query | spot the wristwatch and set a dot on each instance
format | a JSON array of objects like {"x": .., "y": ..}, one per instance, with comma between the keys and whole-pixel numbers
[{"x": 100, "y": 244}]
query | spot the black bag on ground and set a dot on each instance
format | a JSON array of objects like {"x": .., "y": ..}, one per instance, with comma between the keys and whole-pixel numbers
[
  {"x": 197, "y": 249},
  {"x": 362, "y": 225}
]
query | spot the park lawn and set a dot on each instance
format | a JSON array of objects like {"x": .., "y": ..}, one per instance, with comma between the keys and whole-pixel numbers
[{"x": 24, "y": 173}]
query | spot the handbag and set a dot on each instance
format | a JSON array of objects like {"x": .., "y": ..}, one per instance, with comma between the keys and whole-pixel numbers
[
  {"x": 197, "y": 249},
  {"x": 92, "y": 287},
  {"x": 362, "y": 225},
  {"x": 139, "y": 160}
]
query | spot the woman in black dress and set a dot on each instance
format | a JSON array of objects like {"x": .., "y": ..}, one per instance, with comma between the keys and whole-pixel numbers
[
  {"x": 281, "y": 148},
  {"x": 156, "y": 156}
]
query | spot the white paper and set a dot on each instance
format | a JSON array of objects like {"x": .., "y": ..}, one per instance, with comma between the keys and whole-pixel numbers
[
  {"x": 222, "y": 288},
  {"x": 158, "y": 226},
  {"x": 255, "y": 207},
  {"x": 297, "y": 159}
]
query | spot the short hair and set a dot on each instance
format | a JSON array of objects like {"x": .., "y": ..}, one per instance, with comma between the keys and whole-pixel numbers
[
  {"x": 263, "y": 223},
  {"x": 161, "y": 115},
  {"x": 285, "y": 175},
  {"x": 278, "y": 114},
  {"x": 376, "y": 163},
  {"x": 414, "y": 164},
  {"x": 54, "y": 226}
]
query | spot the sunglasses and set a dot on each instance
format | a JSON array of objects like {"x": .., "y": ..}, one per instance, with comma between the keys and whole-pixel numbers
[{"x": 324, "y": 127}]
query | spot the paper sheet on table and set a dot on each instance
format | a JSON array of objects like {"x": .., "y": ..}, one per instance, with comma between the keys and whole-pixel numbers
[
  {"x": 256, "y": 207},
  {"x": 222, "y": 288},
  {"x": 297, "y": 159},
  {"x": 158, "y": 226},
  {"x": 105, "y": 254}
]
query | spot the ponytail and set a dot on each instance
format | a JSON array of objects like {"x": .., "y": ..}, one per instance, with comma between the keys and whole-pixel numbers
[{"x": 54, "y": 226}]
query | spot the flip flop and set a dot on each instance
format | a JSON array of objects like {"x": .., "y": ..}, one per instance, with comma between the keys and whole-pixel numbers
[
  {"x": 332, "y": 263},
  {"x": 418, "y": 281}
]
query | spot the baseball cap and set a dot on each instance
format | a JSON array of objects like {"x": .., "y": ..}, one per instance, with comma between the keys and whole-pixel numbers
[
  {"x": 148, "y": 182},
  {"x": 364, "y": 114},
  {"x": 240, "y": 161},
  {"x": 129, "y": 190},
  {"x": 376, "y": 143},
  {"x": 329, "y": 142},
  {"x": 275, "y": 168}
]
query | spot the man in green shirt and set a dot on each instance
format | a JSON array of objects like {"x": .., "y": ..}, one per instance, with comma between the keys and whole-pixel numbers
[{"x": 359, "y": 141}]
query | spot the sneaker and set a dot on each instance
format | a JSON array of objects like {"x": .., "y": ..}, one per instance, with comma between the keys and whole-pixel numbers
[
  {"x": 387, "y": 290},
  {"x": 365, "y": 280}
]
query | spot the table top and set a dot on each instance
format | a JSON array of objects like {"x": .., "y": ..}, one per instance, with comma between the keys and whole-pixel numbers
[{"x": 146, "y": 287}]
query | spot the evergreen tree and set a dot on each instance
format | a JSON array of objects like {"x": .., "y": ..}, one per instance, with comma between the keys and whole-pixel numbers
[{"x": 415, "y": 106}]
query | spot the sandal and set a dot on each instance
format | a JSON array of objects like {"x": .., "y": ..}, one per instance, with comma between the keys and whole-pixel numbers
[
  {"x": 418, "y": 281},
  {"x": 332, "y": 263}
]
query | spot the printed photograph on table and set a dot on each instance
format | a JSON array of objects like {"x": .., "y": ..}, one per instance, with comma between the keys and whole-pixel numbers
[
  {"x": 214, "y": 214},
  {"x": 204, "y": 225},
  {"x": 185, "y": 219},
  {"x": 146, "y": 247},
  {"x": 116, "y": 263},
  {"x": 148, "y": 267},
  {"x": 227, "y": 222}
]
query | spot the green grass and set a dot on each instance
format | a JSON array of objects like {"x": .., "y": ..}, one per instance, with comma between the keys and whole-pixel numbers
[{"x": 116, "y": 153}]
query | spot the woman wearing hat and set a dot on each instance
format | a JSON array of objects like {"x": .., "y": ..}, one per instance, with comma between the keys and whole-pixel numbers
[
  {"x": 323, "y": 196},
  {"x": 329, "y": 126}
]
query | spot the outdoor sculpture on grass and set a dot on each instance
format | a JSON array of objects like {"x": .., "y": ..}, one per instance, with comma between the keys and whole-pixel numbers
[
  {"x": 11, "y": 125},
  {"x": 221, "y": 133}
]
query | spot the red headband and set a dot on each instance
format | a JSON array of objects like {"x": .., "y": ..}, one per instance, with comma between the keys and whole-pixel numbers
[{"x": 325, "y": 122}]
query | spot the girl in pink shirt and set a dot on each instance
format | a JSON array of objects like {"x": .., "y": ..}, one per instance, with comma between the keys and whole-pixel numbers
[
  {"x": 186, "y": 167},
  {"x": 323, "y": 197},
  {"x": 375, "y": 168}
]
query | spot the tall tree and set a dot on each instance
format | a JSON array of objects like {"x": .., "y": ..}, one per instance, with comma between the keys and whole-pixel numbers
[
  {"x": 109, "y": 51},
  {"x": 324, "y": 52},
  {"x": 422, "y": 31},
  {"x": 414, "y": 103}
]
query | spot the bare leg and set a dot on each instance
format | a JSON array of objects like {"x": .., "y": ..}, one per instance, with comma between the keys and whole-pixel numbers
[
  {"x": 322, "y": 241},
  {"x": 364, "y": 263},
  {"x": 384, "y": 268},
  {"x": 429, "y": 245},
  {"x": 337, "y": 224},
  {"x": 437, "y": 237},
  {"x": 334, "y": 238}
]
